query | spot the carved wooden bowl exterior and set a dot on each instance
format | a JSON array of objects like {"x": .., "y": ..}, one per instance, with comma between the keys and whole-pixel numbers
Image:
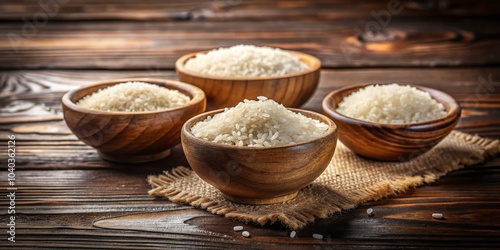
[
  {"x": 131, "y": 136},
  {"x": 291, "y": 90},
  {"x": 391, "y": 142},
  {"x": 262, "y": 175}
]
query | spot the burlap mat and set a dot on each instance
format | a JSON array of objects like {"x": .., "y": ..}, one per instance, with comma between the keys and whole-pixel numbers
[{"x": 348, "y": 181}]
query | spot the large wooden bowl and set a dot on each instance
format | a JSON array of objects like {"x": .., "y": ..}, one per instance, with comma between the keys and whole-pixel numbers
[
  {"x": 391, "y": 142},
  {"x": 131, "y": 136},
  {"x": 259, "y": 175},
  {"x": 291, "y": 90}
]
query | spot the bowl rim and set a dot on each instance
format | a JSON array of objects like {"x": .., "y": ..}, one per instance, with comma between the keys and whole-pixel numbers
[
  {"x": 315, "y": 66},
  {"x": 185, "y": 131},
  {"x": 198, "y": 95},
  {"x": 451, "y": 114}
]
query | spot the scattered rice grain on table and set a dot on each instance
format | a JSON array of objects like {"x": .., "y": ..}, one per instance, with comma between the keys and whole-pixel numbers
[
  {"x": 245, "y": 234},
  {"x": 391, "y": 104},
  {"x": 369, "y": 211},
  {"x": 133, "y": 97},
  {"x": 437, "y": 216},
  {"x": 246, "y": 60},
  {"x": 318, "y": 236},
  {"x": 258, "y": 123}
]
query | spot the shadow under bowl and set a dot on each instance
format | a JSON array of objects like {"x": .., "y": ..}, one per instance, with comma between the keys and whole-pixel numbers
[
  {"x": 259, "y": 175},
  {"x": 131, "y": 137},
  {"x": 391, "y": 142}
]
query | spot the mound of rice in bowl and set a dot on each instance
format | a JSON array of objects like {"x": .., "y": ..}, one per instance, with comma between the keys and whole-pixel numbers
[{"x": 258, "y": 123}]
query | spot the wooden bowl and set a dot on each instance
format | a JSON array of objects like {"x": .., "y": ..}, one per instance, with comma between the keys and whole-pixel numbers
[
  {"x": 259, "y": 175},
  {"x": 391, "y": 142},
  {"x": 291, "y": 90},
  {"x": 131, "y": 136}
]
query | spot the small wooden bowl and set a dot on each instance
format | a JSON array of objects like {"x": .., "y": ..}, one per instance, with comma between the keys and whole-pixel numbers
[
  {"x": 259, "y": 175},
  {"x": 291, "y": 90},
  {"x": 391, "y": 142},
  {"x": 131, "y": 136}
]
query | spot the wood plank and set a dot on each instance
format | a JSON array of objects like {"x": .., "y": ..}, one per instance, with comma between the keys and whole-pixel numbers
[
  {"x": 46, "y": 143},
  {"x": 100, "y": 197},
  {"x": 157, "y": 45},
  {"x": 68, "y": 197},
  {"x": 224, "y": 10},
  {"x": 475, "y": 88}
]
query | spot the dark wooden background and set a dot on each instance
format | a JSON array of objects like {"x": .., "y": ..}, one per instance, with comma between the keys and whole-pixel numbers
[{"x": 68, "y": 197}]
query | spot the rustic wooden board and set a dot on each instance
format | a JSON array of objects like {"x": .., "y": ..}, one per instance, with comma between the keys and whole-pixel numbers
[
  {"x": 109, "y": 209},
  {"x": 224, "y": 10},
  {"x": 69, "y": 198},
  {"x": 477, "y": 89},
  {"x": 346, "y": 43}
]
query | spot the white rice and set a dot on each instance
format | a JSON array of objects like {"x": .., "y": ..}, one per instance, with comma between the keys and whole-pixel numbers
[
  {"x": 437, "y": 216},
  {"x": 246, "y": 60},
  {"x": 369, "y": 211},
  {"x": 245, "y": 234},
  {"x": 258, "y": 123},
  {"x": 133, "y": 97},
  {"x": 318, "y": 236},
  {"x": 391, "y": 104}
]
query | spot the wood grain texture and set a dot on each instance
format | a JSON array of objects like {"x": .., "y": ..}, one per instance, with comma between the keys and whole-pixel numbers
[
  {"x": 345, "y": 43},
  {"x": 259, "y": 175},
  {"x": 131, "y": 136},
  {"x": 391, "y": 142},
  {"x": 291, "y": 90},
  {"x": 70, "y": 198},
  {"x": 33, "y": 109},
  {"x": 224, "y": 10},
  {"x": 117, "y": 214}
]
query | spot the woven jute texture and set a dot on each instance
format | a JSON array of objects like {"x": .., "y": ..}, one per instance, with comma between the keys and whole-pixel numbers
[{"x": 348, "y": 181}]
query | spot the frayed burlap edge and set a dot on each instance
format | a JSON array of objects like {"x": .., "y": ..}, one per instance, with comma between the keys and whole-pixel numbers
[
  {"x": 399, "y": 185},
  {"x": 329, "y": 204}
]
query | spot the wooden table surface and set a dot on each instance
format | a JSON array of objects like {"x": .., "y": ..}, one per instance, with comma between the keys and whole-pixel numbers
[{"x": 67, "y": 197}]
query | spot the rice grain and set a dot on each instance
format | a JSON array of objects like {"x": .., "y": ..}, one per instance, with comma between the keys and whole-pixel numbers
[
  {"x": 369, "y": 211},
  {"x": 437, "y": 216},
  {"x": 245, "y": 234},
  {"x": 133, "y": 97},
  {"x": 391, "y": 104},
  {"x": 318, "y": 236},
  {"x": 244, "y": 61},
  {"x": 246, "y": 125}
]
